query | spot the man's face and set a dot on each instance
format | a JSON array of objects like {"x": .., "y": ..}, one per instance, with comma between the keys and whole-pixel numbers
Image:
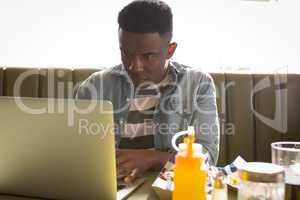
[{"x": 144, "y": 55}]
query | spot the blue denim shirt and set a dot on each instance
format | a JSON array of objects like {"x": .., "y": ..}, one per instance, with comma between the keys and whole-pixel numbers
[{"x": 189, "y": 99}]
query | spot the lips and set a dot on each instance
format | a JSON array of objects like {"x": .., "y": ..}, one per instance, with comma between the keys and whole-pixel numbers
[{"x": 137, "y": 79}]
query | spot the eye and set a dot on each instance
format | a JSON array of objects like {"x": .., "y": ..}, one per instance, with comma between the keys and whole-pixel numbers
[{"x": 150, "y": 56}]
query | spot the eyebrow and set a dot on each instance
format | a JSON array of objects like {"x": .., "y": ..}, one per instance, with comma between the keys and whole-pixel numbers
[
  {"x": 144, "y": 54},
  {"x": 150, "y": 53}
]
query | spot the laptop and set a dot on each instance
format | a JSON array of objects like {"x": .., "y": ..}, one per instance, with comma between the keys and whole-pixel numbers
[{"x": 58, "y": 149}]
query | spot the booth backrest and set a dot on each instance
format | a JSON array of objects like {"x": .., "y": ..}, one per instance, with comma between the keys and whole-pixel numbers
[{"x": 254, "y": 109}]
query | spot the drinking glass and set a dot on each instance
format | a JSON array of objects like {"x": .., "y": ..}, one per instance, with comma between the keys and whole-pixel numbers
[{"x": 287, "y": 155}]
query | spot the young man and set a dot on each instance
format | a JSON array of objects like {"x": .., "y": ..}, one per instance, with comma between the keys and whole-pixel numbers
[{"x": 153, "y": 97}]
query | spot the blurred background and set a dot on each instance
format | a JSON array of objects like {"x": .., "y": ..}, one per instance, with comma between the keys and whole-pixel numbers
[{"x": 215, "y": 35}]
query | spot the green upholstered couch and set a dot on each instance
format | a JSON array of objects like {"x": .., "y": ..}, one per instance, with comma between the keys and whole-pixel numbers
[{"x": 243, "y": 127}]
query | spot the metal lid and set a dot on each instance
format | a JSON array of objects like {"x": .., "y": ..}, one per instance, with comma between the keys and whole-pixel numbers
[{"x": 261, "y": 172}]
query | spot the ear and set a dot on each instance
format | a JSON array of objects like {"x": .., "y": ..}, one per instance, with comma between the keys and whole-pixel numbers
[{"x": 171, "y": 49}]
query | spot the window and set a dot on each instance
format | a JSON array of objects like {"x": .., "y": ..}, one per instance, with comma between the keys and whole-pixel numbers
[{"x": 216, "y": 35}]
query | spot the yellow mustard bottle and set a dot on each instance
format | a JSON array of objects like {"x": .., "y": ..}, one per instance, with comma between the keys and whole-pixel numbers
[{"x": 189, "y": 178}]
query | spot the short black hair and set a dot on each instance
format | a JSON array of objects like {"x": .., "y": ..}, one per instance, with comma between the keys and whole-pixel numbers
[{"x": 146, "y": 16}]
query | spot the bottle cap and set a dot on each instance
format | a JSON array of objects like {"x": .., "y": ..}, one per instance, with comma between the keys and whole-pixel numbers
[
  {"x": 197, "y": 150},
  {"x": 261, "y": 172}
]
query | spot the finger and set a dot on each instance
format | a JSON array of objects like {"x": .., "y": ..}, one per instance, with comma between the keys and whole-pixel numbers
[
  {"x": 124, "y": 169},
  {"x": 121, "y": 152},
  {"x": 121, "y": 171},
  {"x": 122, "y": 174},
  {"x": 128, "y": 165},
  {"x": 122, "y": 159},
  {"x": 131, "y": 177}
]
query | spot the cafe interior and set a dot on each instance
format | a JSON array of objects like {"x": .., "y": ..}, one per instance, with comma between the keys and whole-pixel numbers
[{"x": 48, "y": 49}]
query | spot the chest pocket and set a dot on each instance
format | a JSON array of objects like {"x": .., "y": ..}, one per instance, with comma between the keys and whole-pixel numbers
[{"x": 181, "y": 115}]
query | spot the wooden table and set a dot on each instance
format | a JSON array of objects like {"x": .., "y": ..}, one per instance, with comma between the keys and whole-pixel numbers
[{"x": 144, "y": 192}]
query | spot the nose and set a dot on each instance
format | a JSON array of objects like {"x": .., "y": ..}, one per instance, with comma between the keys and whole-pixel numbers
[{"x": 136, "y": 65}]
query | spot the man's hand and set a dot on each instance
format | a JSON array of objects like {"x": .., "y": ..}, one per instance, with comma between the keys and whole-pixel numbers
[{"x": 133, "y": 163}]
